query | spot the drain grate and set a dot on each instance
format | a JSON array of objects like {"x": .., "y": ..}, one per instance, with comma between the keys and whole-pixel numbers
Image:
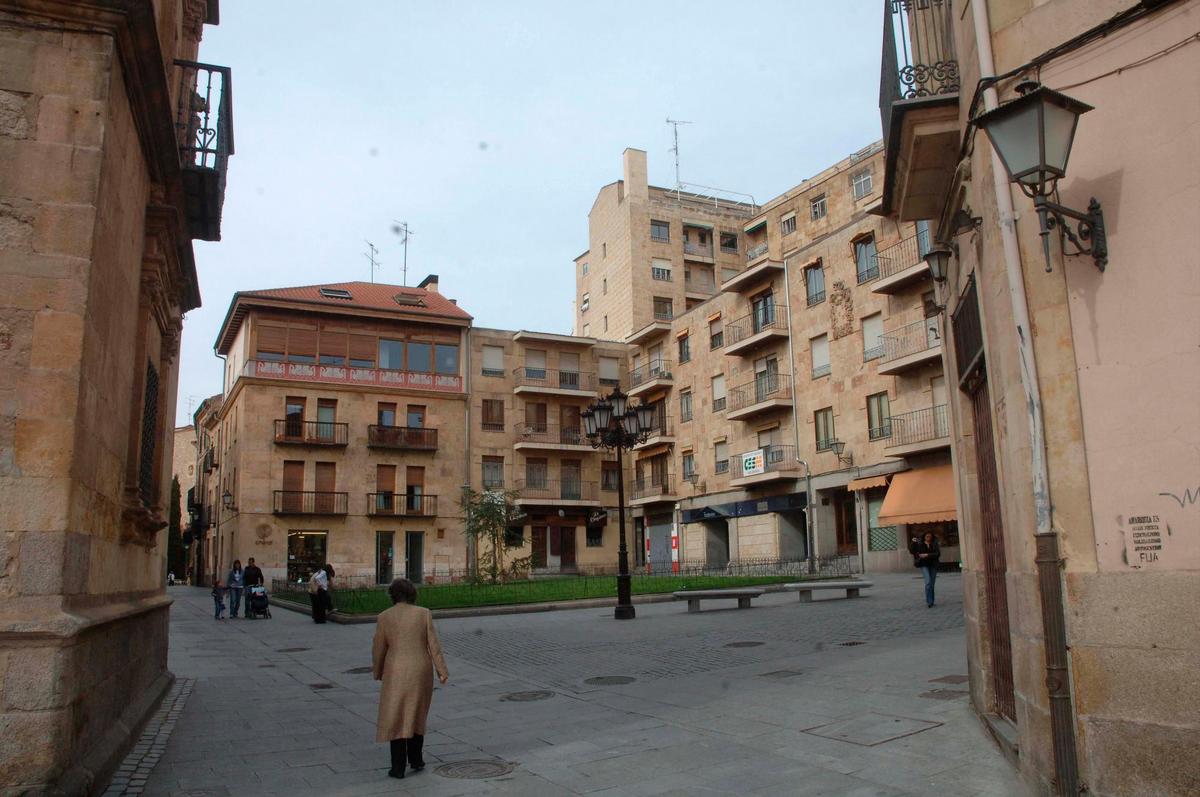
[
  {"x": 610, "y": 680},
  {"x": 744, "y": 644},
  {"x": 320, "y": 685},
  {"x": 357, "y": 671},
  {"x": 852, "y": 643},
  {"x": 950, "y": 679},
  {"x": 474, "y": 770},
  {"x": 293, "y": 650},
  {"x": 944, "y": 694},
  {"x": 526, "y": 697},
  {"x": 780, "y": 674}
]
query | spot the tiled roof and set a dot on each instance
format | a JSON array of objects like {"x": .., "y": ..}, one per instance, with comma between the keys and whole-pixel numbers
[{"x": 368, "y": 296}]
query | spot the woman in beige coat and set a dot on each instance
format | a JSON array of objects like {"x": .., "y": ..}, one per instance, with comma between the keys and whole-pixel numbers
[{"x": 405, "y": 654}]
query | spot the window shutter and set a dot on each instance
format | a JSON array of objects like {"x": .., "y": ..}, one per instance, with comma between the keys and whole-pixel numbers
[
  {"x": 302, "y": 341},
  {"x": 610, "y": 368},
  {"x": 272, "y": 339},
  {"x": 493, "y": 358},
  {"x": 333, "y": 343},
  {"x": 362, "y": 347}
]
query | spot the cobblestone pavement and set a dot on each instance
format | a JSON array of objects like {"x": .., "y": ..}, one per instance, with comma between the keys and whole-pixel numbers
[{"x": 765, "y": 701}]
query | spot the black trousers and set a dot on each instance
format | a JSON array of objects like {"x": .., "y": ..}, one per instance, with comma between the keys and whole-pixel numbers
[
  {"x": 409, "y": 749},
  {"x": 321, "y": 603}
]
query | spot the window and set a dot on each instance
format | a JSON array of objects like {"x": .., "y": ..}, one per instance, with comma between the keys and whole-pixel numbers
[
  {"x": 663, "y": 308},
  {"x": 416, "y": 416},
  {"x": 861, "y": 184},
  {"x": 493, "y": 361},
  {"x": 362, "y": 351},
  {"x": 535, "y": 364},
  {"x": 763, "y": 307},
  {"x": 716, "y": 334},
  {"x": 610, "y": 476},
  {"x": 685, "y": 348},
  {"x": 493, "y": 473},
  {"x": 721, "y": 457},
  {"x": 585, "y": 303},
  {"x": 879, "y": 420},
  {"x": 385, "y": 413},
  {"x": 814, "y": 283},
  {"x": 729, "y": 242},
  {"x": 595, "y": 536},
  {"x": 514, "y": 536},
  {"x": 585, "y": 269},
  {"x": 272, "y": 343},
  {"x": 865, "y": 260},
  {"x": 879, "y": 538},
  {"x": 335, "y": 293},
  {"x": 536, "y": 471},
  {"x": 587, "y": 330},
  {"x": 787, "y": 225},
  {"x": 689, "y": 466},
  {"x": 493, "y": 415},
  {"x": 823, "y": 424},
  {"x": 660, "y": 230},
  {"x": 147, "y": 478},
  {"x": 446, "y": 358},
  {"x": 610, "y": 371},
  {"x": 326, "y": 419},
  {"x": 660, "y": 270},
  {"x": 820, "y": 356},
  {"x": 333, "y": 348},
  {"x": 293, "y": 413},
  {"x": 872, "y": 327},
  {"x": 685, "y": 405},
  {"x": 817, "y": 208},
  {"x": 718, "y": 392}
]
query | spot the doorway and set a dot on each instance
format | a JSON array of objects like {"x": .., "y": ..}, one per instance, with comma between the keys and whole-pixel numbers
[
  {"x": 306, "y": 552},
  {"x": 385, "y": 554},
  {"x": 846, "y": 522},
  {"x": 414, "y": 556}
]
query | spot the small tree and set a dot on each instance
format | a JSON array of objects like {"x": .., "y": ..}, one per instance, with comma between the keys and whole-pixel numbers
[
  {"x": 486, "y": 517},
  {"x": 174, "y": 532}
]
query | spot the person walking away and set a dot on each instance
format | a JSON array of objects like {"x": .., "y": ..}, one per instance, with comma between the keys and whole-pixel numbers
[
  {"x": 404, "y": 655},
  {"x": 253, "y": 576},
  {"x": 926, "y": 555},
  {"x": 319, "y": 586},
  {"x": 218, "y": 594},
  {"x": 235, "y": 584}
]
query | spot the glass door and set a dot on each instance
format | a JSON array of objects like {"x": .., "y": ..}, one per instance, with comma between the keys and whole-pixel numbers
[
  {"x": 414, "y": 556},
  {"x": 385, "y": 554}
]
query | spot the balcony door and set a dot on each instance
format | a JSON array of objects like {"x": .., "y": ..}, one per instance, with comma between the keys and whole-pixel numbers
[
  {"x": 535, "y": 417},
  {"x": 656, "y": 360},
  {"x": 326, "y": 416},
  {"x": 414, "y": 480},
  {"x": 766, "y": 377},
  {"x": 385, "y": 489},
  {"x": 535, "y": 364},
  {"x": 937, "y": 387},
  {"x": 414, "y": 556},
  {"x": 764, "y": 311},
  {"x": 568, "y": 370},
  {"x": 385, "y": 555},
  {"x": 386, "y": 414},
  {"x": 293, "y": 485},
  {"x": 293, "y": 413},
  {"x": 570, "y": 433},
  {"x": 326, "y": 483},
  {"x": 572, "y": 480},
  {"x": 536, "y": 473}
]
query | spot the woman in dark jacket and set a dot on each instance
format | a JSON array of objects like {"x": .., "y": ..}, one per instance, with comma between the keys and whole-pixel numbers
[{"x": 926, "y": 555}]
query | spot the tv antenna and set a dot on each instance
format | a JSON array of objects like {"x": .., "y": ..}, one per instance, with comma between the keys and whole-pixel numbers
[
  {"x": 401, "y": 229},
  {"x": 675, "y": 123},
  {"x": 370, "y": 255}
]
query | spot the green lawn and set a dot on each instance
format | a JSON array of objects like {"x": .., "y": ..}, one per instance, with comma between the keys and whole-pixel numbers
[{"x": 452, "y": 596}]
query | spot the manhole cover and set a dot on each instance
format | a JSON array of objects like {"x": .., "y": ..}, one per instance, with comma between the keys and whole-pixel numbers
[
  {"x": 357, "y": 671},
  {"x": 610, "y": 680},
  {"x": 526, "y": 697},
  {"x": 292, "y": 650},
  {"x": 743, "y": 644},
  {"x": 871, "y": 729},
  {"x": 474, "y": 770},
  {"x": 320, "y": 686},
  {"x": 852, "y": 643},
  {"x": 950, "y": 679},
  {"x": 780, "y": 674},
  {"x": 943, "y": 694}
]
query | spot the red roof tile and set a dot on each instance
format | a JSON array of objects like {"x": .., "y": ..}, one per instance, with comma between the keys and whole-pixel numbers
[{"x": 368, "y": 295}]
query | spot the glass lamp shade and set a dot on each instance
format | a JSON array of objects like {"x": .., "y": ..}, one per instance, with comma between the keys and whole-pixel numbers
[
  {"x": 838, "y": 447},
  {"x": 630, "y": 422},
  {"x": 602, "y": 414},
  {"x": 938, "y": 259},
  {"x": 589, "y": 422},
  {"x": 1033, "y": 135},
  {"x": 620, "y": 402},
  {"x": 645, "y": 417}
]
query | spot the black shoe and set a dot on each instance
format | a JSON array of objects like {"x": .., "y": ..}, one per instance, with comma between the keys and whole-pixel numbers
[{"x": 392, "y": 773}]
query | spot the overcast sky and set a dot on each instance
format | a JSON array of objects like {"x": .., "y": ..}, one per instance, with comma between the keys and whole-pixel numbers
[{"x": 490, "y": 126}]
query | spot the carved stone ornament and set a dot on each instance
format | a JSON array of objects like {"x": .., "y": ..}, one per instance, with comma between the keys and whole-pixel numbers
[
  {"x": 141, "y": 523},
  {"x": 194, "y": 14},
  {"x": 841, "y": 311}
]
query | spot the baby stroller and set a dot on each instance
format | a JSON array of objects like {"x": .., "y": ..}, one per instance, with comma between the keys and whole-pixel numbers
[{"x": 257, "y": 604}]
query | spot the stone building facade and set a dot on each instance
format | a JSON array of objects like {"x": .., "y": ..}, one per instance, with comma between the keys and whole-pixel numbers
[
  {"x": 112, "y": 158},
  {"x": 1076, "y": 430}
]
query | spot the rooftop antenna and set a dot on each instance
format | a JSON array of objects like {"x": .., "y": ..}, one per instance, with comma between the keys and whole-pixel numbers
[
  {"x": 401, "y": 229},
  {"x": 370, "y": 255},
  {"x": 675, "y": 123}
]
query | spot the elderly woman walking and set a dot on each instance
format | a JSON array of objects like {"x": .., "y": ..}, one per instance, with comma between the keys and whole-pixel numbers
[{"x": 404, "y": 656}]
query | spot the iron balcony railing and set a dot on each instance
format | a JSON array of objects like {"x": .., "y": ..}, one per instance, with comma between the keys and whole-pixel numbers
[
  {"x": 906, "y": 254},
  {"x": 653, "y": 486},
  {"x": 661, "y": 426},
  {"x": 765, "y": 317},
  {"x": 867, "y": 270},
  {"x": 532, "y": 376},
  {"x": 699, "y": 283},
  {"x": 918, "y": 53},
  {"x": 204, "y": 134},
  {"x": 663, "y": 312},
  {"x": 656, "y": 369},
  {"x": 766, "y": 385},
  {"x": 919, "y": 426},
  {"x": 775, "y": 458},
  {"x": 755, "y": 252},
  {"x": 909, "y": 339},
  {"x": 703, "y": 250},
  {"x": 311, "y": 433},
  {"x": 402, "y": 504},
  {"x": 408, "y": 437},
  {"x": 881, "y": 432},
  {"x": 816, "y": 297},
  {"x": 309, "y": 502},
  {"x": 537, "y": 488},
  {"x": 545, "y": 433}
]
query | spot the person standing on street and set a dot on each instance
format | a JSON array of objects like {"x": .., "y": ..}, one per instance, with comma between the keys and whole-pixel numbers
[
  {"x": 405, "y": 654},
  {"x": 218, "y": 595},
  {"x": 319, "y": 587},
  {"x": 926, "y": 554},
  {"x": 253, "y": 575},
  {"x": 235, "y": 583}
]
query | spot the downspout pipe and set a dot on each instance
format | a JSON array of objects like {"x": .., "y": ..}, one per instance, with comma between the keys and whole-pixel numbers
[
  {"x": 808, "y": 496},
  {"x": 1048, "y": 559}
]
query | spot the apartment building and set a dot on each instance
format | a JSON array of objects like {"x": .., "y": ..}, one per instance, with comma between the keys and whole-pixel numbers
[
  {"x": 816, "y": 363},
  {"x": 204, "y": 504}
]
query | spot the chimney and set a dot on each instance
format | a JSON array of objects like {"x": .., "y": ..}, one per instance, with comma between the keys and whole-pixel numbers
[
  {"x": 430, "y": 283},
  {"x": 636, "y": 181}
]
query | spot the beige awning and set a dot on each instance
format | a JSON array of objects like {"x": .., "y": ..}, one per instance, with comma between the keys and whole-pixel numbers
[
  {"x": 925, "y": 495},
  {"x": 867, "y": 483}
]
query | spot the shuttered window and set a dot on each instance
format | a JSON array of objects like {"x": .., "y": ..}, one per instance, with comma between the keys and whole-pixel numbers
[
  {"x": 493, "y": 361},
  {"x": 333, "y": 348},
  {"x": 272, "y": 343},
  {"x": 362, "y": 351},
  {"x": 302, "y": 345},
  {"x": 493, "y": 415}
]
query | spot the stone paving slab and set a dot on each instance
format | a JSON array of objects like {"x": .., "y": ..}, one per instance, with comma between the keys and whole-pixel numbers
[{"x": 698, "y": 718}]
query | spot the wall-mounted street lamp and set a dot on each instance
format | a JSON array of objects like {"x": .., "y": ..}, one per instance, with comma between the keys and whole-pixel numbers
[
  {"x": 838, "y": 447},
  {"x": 1033, "y": 135},
  {"x": 227, "y": 500},
  {"x": 938, "y": 259},
  {"x": 611, "y": 423}
]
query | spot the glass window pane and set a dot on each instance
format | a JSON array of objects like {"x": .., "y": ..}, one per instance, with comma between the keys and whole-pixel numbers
[
  {"x": 420, "y": 356},
  {"x": 447, "y": 358},
  {"x": 391, "y": 354}
]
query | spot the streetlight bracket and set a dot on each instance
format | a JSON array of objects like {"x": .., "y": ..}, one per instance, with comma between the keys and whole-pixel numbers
[{"x": 1088, "y": 237}]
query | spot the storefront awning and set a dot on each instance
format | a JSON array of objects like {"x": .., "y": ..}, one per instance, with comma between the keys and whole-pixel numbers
[
  {"x": 925, "y": 495},
  {"x": 867, "y": 483}
]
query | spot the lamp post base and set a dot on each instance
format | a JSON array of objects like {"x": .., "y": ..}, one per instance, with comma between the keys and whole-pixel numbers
[{"x": 624, "y": 611}]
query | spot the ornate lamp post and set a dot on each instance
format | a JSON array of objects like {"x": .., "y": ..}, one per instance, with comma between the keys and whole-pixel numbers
[{"x": 612, "y": 424}]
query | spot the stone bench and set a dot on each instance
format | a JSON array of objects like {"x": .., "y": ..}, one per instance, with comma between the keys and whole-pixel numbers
[
  {"x": 693, "y": 597},
  {"x": 805, "y": 589}
]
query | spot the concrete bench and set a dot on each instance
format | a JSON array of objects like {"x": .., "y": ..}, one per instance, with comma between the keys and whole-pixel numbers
[
  {"x": 693, "y": 597},
  {"x": 805, "y": 589}
]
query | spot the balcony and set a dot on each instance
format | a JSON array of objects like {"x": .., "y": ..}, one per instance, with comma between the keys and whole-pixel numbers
[
  {"x": 311, "y": 433},
  {"x": 772, "y": 463},
  {"x": 649, "y": 332},
  {"x": 750, "y": 277},
  {"x": 770, "y": 391},
  {"x": 911, "y": 346},
  {"x": 695, "y": 251},
  {"x": 650, "y": 377},
  {"x": 903, "y": 264},
  {"x": 765, "y": 326},
  {"x": 554, "y": 492},
  {"x": 308, "y": 502},
  {"x": 662, "y": 432},
  {"x": 699, "y": 284},
  {"x": 918, "y": 432},
  {"x": 401, "y": 505},
  {"x": 918, "y": 106},
  {"x": 412, "y": 438},
  {"x": 204, "y": 135},
  {"x": 346, "y": 375},
  {"x": 540, "y": 436},
  {"x": 210, "y": 461},
  {"x": 652, "y": 490},
  {"x": 554, "y": 382},
  {"x": 756, "y": 253}
]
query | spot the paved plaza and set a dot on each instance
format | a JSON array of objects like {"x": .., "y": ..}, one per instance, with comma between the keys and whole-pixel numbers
[{"x": 766, "y": 701}]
